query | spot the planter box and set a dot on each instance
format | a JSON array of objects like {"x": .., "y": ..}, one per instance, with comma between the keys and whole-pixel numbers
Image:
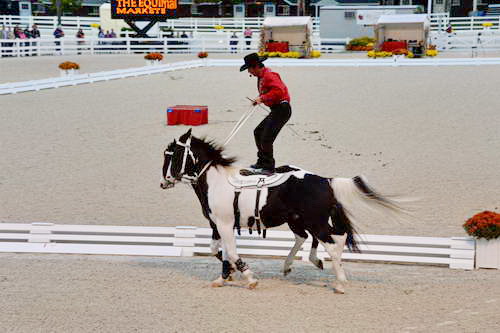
[
  {"x": 152, "y": 62},
  {"x": 488, "y": 253},
  {"x": 69, "y": 72}
]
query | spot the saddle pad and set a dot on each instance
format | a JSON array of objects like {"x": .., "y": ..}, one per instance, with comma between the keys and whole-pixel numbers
[{"x": 258, "y": 181}]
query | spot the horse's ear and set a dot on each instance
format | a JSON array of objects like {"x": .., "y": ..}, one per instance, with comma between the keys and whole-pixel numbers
[{"x": 188, "y": 133}]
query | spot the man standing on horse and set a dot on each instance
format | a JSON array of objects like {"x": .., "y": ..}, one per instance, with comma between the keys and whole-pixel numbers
[{"x": 273, "y": 93}]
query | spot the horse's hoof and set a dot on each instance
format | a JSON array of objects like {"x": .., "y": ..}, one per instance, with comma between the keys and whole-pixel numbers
[
  {"x": 218, "y": 283},
  {"x": 253, "y": 284},
  {"x": 339, "y": 290},
  {"x": 286, "y": 271},
  {"x": 319, "y": 264}
]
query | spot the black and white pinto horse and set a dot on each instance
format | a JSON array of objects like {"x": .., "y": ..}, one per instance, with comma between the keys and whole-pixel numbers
[
  {"x": 305, "y": 201},
  {"x": 201, "y": 189}
]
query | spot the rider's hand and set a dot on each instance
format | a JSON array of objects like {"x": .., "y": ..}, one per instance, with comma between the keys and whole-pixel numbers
[{"x": 258, "y": 100}]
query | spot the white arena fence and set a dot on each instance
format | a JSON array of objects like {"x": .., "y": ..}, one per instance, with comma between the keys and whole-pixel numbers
[
  {"x": 454, "y": 252},
  {"x": 73, "y": 80},
  {"x": 70, "y": 24},
  {"x": 76, "y": 79},
  {"x": 128, "y": 45},
  {"x": 440, "y": 21}
]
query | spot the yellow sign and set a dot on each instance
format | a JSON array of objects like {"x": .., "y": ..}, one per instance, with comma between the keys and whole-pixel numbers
[{"x": 143, "y": 8}]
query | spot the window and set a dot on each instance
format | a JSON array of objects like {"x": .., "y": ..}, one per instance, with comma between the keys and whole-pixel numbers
[
  {"x": 456, "y": 3},
  {"x": 349, "y": 15},
  {"x": 439, "y": 2},
  {"x": 405, "y": 2},
  {"x": 284, "y": 10}
]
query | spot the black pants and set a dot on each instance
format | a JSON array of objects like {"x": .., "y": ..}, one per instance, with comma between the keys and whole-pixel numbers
[{"x": 267, "y": 131}]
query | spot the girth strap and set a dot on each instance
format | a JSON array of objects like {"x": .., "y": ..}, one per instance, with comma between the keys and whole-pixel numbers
[{"x": 236, "y": 209}]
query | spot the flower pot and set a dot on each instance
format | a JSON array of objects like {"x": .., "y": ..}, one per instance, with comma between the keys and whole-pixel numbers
[
  {"x": 69, "y": 72},
  {"x": 152, "y": 62},
  {"x": 488, "y": 253}
]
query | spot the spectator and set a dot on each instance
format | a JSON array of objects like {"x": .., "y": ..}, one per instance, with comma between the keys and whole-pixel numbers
[
  {"x": 184, "y": 35},
  {"x": 35, "y": 33},
  {"x": 101, "y": 33},
  {"x": 248, "y": 37},
  {"x": 80, "y": 34},
  {"x": 112, "y": 34},
  {"x": 58, "y": 33},
  {"x": 233, "y": 42},
  {"x": 4, "y": 34}
]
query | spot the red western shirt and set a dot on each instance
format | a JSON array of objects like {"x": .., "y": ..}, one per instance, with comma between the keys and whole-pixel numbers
[{"x": 271, "y": 89}]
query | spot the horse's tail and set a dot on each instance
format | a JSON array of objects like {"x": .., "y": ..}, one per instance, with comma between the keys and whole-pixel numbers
[{"x": 357, "y": 198}]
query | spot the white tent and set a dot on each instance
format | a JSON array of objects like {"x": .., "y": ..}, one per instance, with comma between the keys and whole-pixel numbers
[
  {"x": 296, "y": 30},
  {"x": 407, "y": 27}
]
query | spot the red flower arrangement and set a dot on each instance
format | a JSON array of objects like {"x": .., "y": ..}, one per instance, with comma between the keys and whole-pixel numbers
[
  {"x": 202, "y": 55},
  {"x": 154, "y": 56},
  {"x": 69, "y": 65},
  {"x": 484, "y": 225}
]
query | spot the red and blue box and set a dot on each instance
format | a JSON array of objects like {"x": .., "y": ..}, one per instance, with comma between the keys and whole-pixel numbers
[{"x": 193, "y": 115}]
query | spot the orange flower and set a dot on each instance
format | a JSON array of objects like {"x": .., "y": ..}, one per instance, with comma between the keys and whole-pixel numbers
[
  {"x": 154, "y": 56},
  {"x": 202, "y": 55},
  {"x": 483, "y": 225},
  {"x": 69, "y": 65}
]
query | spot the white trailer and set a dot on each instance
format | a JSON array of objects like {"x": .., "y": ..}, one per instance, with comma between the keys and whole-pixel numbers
[{"x": 355, "y": 21}]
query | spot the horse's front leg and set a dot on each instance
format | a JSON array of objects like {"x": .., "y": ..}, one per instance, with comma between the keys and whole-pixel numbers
[{"x": 229, "y": 243}]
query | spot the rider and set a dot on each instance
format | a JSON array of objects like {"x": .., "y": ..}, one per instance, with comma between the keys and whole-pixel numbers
[{"x": 273, "y": 93}]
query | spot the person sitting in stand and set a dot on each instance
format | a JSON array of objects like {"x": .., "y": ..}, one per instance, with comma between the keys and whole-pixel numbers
[{"x": 273, "y": 93}]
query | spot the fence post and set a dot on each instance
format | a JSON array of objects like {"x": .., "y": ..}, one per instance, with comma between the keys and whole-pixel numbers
[
  {"x": 462, "y": 253},
  {"x": 184, "y": 239},
  {"x": 127, "y": 42},
  {"x": 40, "y": 232},
  {"x": 92, "y": 46}
]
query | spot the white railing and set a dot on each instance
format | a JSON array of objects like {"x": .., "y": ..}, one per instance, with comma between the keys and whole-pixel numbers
[
  {"x": 440, "y": 21},
  {"x": 76, "y": 79},
  {"x": 127, "y": 45},
  {"x": 455, "y": 252},
  {"x": 49, "y": 22},
  {"x": 71, "y": 24},
  {"x": 468, "y": 40}
]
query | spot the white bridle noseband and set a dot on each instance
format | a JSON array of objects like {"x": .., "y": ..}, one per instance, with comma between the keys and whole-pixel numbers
[{"x": 187, "y": 152}]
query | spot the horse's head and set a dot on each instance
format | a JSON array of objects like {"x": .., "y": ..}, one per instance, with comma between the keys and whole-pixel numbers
[{"x": 179, "y": 162}]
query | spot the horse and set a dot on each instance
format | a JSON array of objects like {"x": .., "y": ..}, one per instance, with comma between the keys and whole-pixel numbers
[
  {"x": 301, "y": 199},
  {"x": 200, "y": 188}
]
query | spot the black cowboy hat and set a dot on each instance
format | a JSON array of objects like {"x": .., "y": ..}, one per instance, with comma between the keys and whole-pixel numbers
[{"x": 251, "y": 60}]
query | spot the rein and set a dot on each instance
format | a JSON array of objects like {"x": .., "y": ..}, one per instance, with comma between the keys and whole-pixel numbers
[{"x": 188, "y": 151}]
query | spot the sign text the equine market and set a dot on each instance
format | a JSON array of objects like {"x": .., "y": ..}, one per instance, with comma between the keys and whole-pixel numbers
[{"x": 143, "y": 9}]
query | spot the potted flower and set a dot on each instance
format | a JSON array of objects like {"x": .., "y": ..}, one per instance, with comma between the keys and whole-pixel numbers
[
  {"x": 153, "y": 59},
  {"x": 485, "y": 227},
  {"x": 69, "y": 68},
  {"x": 202, "y": 55}
]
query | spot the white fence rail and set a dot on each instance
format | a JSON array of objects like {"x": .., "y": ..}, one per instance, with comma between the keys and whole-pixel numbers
[
  {"x": 73, "y": 80},
  {"x": 128, "y": 45},
  {"x": 56, "y": 82},
  {"x": 485, "y": 40},
  {"x": 71, "y": 24},
  {"x": 455, "y": 252},
  {"x": 440, "y": 21}
]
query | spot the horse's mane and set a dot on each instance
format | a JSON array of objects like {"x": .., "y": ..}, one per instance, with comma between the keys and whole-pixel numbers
[{"x": 214, "y": 151}]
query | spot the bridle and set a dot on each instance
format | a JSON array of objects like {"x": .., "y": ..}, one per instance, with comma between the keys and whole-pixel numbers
[{"x": 191, "y": 179}]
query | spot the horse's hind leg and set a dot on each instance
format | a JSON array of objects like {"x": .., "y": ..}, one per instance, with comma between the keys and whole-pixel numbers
[
  {"x": 334, "y": 245},
  {"x": 313, "y": 255}
]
